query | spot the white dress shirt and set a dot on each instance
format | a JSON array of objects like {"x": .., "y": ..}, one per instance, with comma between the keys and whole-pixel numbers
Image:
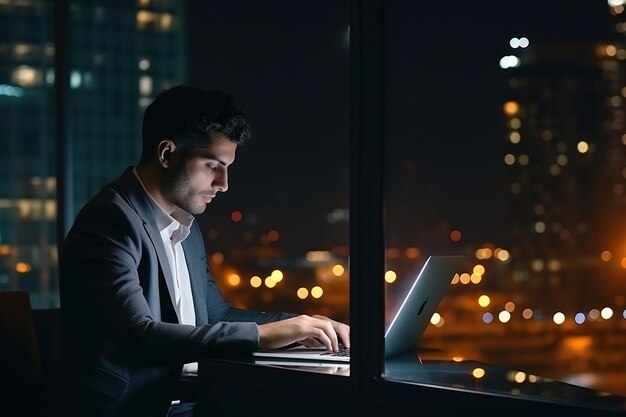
[{"x": 174, "y": 229}]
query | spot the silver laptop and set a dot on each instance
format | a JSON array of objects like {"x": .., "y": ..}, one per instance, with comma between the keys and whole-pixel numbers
[{"x": 406, "y": 328}]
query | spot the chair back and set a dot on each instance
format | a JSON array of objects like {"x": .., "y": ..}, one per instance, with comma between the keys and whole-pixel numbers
[{"x": 20, "y": 364}]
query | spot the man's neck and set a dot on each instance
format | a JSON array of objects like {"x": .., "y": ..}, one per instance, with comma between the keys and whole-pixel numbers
[{"x": 150, "y": 179}]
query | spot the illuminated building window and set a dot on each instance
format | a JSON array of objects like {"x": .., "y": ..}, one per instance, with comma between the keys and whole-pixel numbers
[
  {"x": 10, "y": 91},
  {"x": 144, "y": 64},
  {"x": 156, "y": 21},
  {"x": 50, "y": 76},
  {"x": 511, "y": 108},
  {"x": 21, "y": 49},
  {"x": 144, "y": 101},
  {"x": 146, "y": 19},
  {"x": 523, "y": 159},
  {"x": 515, "y": 123},
  {"x": 555, "y": 169},
  {"x": 166, "y": 21},
  {"x": 75, "y": 79},
  {"x": 515, "y": 137},
  {"x": 145, "y": 85},
  {"x": 546, "y": 135},
  {"x": 26, "y": 76}
]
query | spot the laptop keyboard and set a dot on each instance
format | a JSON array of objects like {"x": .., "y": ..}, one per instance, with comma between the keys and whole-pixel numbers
[{"x": 343, "y": 351}]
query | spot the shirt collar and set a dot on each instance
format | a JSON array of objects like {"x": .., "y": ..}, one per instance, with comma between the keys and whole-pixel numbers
[{"x": 163, "y": 219}]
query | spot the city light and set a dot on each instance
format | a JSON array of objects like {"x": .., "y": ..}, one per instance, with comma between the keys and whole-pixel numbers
[
  {"x": 487, "y": 317},
  {"x": 338, "y": 270},
  {"x": 484, "y": 300},
  {"x": 509, "y": 61},
  {"x": 234, "y": 280},
  {"x": 478, "y": 269},
  {"x": 317, "y": 292},
  {"x": 390, "y": 277},
  {"x": 519, "y": 377},
  {"x": 277, "y": 275},
  {"x": 302, "y": 293},
  {"x": 504, "y": 316},
  {"x": 511, "y": 108},
  {"x": 412, "y": 253},
  {"x": 317, "y": 256},
  {"x": 270, "y": 282},
  {"x": 437, "y": 320},
  {"x": 558, "y": 318},
  {"x": 11, "y": 90},
  {"x": 483, "y": 253},
  {"x": 502, "y": 255},
  {"x": 522, "y": 42},
  {"x": 256, "y": 281},
  {"x": 455, "y": 235},
  {"x": 582, "y": 147},
  {"x": 478, "y": 373},
  {"x": 217, "y": 258},
  {"x": 579, "y": 318},
  {"x": 236, "y": 216},
  {"x": 606, "y": 313},
  {"x": 22, "y": 267}
]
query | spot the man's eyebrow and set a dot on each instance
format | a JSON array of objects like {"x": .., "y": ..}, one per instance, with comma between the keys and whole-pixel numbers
[{"x": 209, "y": 155}]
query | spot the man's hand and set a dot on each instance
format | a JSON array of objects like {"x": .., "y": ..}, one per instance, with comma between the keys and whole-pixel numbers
[{"x": 315, "y": 331}]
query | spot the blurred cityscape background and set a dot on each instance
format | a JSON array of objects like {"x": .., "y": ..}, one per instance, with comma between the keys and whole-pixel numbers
[{"x": 505, "y": 141}]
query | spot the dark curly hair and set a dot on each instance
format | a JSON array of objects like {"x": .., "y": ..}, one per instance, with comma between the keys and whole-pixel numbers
[{"x": 189, "y": 117}]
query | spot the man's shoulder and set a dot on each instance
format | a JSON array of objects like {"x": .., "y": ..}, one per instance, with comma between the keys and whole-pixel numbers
[{"x": 122, "y": 193}]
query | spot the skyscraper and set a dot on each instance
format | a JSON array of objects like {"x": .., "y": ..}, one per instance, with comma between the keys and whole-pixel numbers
[
  {"x": 120, "y": 55},
  {"x": 566, "y": 159}
]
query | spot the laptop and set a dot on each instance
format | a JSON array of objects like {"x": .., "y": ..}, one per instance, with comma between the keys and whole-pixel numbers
[{"x": 406, "y": 328}]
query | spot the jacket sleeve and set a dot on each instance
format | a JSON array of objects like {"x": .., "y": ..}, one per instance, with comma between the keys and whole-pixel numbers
[{"x": 110, "y": 294}]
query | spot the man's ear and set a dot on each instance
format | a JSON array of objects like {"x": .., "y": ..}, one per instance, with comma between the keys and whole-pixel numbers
[{"x": 165, "y": 150}]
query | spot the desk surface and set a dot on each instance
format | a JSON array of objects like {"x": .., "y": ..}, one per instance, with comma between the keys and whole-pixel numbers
[{"x": 437, "y": 370}]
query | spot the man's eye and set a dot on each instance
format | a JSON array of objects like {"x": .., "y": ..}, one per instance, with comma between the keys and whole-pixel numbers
[{"x": 212, "y": 167}]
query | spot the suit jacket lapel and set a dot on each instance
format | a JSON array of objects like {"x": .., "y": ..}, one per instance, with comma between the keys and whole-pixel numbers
[
  {"x": 133, "y": 191},
  {"x": 196, "y": 264}
]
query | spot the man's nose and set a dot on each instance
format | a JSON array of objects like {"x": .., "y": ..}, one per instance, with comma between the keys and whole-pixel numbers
[{"x": 222, "y": 182}]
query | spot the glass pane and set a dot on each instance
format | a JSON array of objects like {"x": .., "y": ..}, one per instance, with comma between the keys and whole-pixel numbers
[
  {"x": 28, "y": 253},
  {"x": 505, "y": 143},
  {"x": 122, "y": 55},
  {"x": 285, "y": 214}
]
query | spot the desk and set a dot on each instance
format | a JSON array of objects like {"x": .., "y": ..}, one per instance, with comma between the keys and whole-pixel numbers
[
  {"x": 426, "y": 382},
  {"x": 437, "y": 369}
]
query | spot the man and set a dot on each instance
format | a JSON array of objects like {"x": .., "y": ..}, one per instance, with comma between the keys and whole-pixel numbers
[{"x": 139, "y": 304}]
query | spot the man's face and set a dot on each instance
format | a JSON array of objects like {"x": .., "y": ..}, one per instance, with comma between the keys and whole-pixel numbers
[{"x": 192, "y": 182}]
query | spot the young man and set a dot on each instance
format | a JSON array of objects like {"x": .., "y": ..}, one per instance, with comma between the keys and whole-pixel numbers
[{"x": 139, "y": 304}]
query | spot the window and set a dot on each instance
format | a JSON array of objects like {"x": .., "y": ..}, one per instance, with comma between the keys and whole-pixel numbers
[
  {"x": 278, "y": 239},
  {"x": 484, "y": 121}
]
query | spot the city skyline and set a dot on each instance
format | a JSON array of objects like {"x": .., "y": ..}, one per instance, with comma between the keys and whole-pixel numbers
[
  {"x": 287, "y": 208},
  {"x": 456, "y": 164}
]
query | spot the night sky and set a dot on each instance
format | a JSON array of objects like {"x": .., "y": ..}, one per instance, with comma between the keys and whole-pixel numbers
[{"x": 287, "y": 64}]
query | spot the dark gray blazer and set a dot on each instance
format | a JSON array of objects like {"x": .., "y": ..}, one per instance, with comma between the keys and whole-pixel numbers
[{"x": 122, "y": 346}]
